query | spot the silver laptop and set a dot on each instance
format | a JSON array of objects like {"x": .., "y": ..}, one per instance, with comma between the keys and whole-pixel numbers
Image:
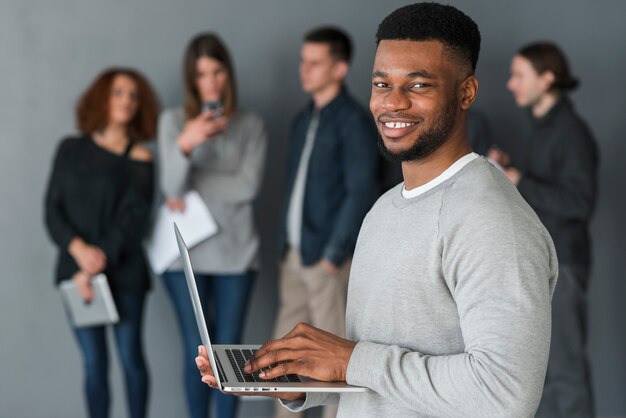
[{"x": 227, "y": 361}]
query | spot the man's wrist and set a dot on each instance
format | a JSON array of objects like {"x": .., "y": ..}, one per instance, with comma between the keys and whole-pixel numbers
[
  {"x": 334, "y": 256},
  {"x": 347, "y": 357}
]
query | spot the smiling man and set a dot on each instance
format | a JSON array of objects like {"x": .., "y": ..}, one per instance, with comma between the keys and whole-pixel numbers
[{"x": 448, "y": 309}]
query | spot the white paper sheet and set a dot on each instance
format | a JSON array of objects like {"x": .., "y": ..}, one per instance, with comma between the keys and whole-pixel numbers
[{"x": 196, "y": 224}]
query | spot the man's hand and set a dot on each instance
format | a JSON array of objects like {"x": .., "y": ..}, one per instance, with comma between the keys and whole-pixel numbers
[
  {"x": 513, "y": 174},
  {"x": 329, "y": 267},
  {"x": 202, "y": 362},
  {"x": 89, "y": 258},
  {"x": 306, "y": 351}
]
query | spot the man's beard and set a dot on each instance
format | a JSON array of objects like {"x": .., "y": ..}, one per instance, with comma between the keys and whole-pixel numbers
[{"x": 427, "y": 142}]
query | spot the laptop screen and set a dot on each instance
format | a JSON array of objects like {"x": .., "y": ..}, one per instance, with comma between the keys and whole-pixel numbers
[{"x": 195, "y": 300}]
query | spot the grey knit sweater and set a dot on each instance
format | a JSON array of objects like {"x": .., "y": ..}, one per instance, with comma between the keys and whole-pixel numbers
[
  {"x": 449, "y": 300},
  {"x": 227, "y": 172}
]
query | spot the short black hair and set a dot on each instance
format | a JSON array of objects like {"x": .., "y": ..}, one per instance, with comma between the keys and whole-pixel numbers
[
  {"x": 434, "y": 22},
  {"x": 338, "y": 41}
]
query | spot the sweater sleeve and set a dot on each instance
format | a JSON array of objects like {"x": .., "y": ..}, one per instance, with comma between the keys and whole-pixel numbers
[
  {"x": 132, "y": 218},
  {"x": 174, "y": 165},
  {"x": 311, "y": 400},
  {"x": 56, "y": 220},
  {"x": 500, "y": 267},
  {"x": 571, "y": 195}
]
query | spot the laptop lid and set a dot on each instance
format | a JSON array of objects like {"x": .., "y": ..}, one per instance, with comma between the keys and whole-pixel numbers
[{"x": 195, "y": 300}]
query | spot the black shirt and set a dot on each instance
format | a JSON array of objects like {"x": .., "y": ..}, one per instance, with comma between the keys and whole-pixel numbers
[
  {"x": 105, "y": 199},
  {"x": 560, "y": 181}
]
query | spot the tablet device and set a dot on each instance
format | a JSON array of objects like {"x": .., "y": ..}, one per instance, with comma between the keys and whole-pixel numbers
[{"x": 100, "y": 310}]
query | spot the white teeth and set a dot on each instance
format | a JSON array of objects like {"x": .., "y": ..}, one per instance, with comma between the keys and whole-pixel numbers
[{"x": 398, "y": 125}]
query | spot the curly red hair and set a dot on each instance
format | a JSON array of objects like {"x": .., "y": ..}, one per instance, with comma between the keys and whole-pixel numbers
[{"x": 92, "y": 110}]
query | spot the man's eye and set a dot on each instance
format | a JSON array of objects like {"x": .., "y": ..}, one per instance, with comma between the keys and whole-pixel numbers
[
  {"x": 420, "y": 85},
  {"x": 380, "y": 84}
]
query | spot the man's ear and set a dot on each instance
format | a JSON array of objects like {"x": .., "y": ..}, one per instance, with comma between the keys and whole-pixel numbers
[
  {"x": 340, "y": 70},
  {"x": 468, "y": 91}
]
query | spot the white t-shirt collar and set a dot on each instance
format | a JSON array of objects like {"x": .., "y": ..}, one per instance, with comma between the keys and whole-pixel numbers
[{"x": 449, "y": 172}]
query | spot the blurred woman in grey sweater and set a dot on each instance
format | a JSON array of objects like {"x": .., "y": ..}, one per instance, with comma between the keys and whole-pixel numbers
[{"x": 211, "y": 146}]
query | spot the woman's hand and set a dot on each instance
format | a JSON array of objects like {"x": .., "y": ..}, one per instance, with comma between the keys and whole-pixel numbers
[
  {"x": 202, "y": 362},
  {"x": 89, "y": 258},
  {"x": 83, "y": 285},
  {"x": 513, "y": 174},
  {"x": 200, "y": 129},
  {"x": 499, "y": 156},
  {"x": 175, "y": 205}
]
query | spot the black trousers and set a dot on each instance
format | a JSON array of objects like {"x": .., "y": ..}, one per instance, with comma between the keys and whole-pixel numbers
[{"x": 567, "y": 391}]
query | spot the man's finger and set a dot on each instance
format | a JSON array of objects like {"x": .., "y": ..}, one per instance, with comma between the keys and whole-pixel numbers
[
  {"x": 271, "y": 358},
  {"x": 282, "y": 369},
  {"x": 202, "y": 361},
  {"x": 293, "y": 339},
  {"x": 203, "y": 366},
  {"x": 286, "y": 343},
  {"x": 267, "y": 347},
  {"x": 210, "y": 380},
  {"x": 301, "y": 328}
]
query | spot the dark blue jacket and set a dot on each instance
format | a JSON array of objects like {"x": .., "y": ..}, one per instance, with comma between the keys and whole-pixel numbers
[{"x": 340, "y": 182}]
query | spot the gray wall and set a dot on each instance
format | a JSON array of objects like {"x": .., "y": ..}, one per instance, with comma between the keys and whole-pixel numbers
[{"x": 52, "y": 49}]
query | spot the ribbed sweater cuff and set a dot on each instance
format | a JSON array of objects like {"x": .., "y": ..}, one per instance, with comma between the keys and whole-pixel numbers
[{"x": 362, "y": 367}]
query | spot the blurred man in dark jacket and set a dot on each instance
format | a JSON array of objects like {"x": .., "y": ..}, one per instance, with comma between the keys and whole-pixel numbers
[{"x": 330, "y": 186}]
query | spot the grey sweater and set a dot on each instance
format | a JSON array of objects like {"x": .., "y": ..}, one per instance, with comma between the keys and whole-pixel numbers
[
  {"x": 227, "y": 173},
  {"x": 449, "y": 300}
]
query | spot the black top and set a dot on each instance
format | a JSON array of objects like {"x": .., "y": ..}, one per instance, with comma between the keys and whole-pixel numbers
[
  {"x": 560, "y": 181},
  {"x": 105, "y": 199}
]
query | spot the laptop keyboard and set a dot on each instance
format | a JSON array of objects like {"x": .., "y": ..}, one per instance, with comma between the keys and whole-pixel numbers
[{"x": 238, "y": 357}]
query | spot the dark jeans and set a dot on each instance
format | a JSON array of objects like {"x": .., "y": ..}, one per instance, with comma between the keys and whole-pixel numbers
[
  {"x": 225, "y": 314},
  {"x": 567, "y": 391},
  {"x": 128, "y": 336}
]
